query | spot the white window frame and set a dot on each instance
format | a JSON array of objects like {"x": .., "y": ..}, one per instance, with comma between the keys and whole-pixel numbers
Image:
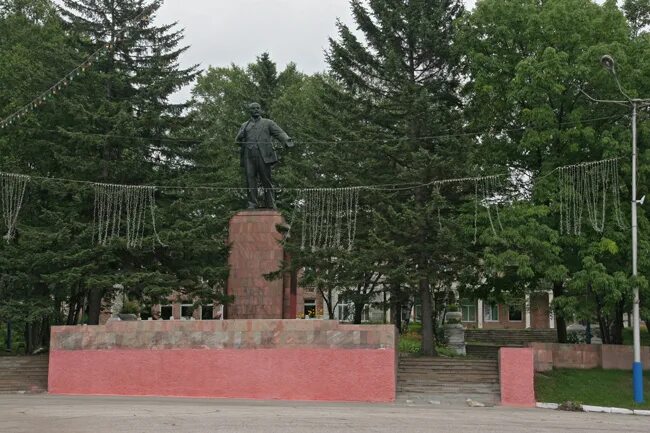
[
  {"x": 171, "y": 316},
  {"x": 466, "y": 307},
  {"x": 365, "y": 314},
  {"x": 201, "y": 311},
  {"x": 343, "y": 311},
  {"x": 311, "y": 303},
  {"x": 487, "y": 307},
  {"x": 521, "y": 312},
  {"x": 193, "y": 310}
]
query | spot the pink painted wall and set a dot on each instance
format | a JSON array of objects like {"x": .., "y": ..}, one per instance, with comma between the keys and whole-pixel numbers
[
  {"x": 287, "y": 374},
  {"x": 517, "y": 377},
  {"x": 254, "y": 359}
]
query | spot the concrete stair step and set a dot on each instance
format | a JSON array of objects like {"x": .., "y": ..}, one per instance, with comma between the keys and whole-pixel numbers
[
  {"x": 449, "y": 391},
  {"x": 23, "y": 374},
  {"x": 492, "y": 366},
  {"x": 447, "y": 371},
  {"x": 448, "y": 378}
]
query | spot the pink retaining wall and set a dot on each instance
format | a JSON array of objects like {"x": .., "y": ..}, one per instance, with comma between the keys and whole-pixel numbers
[
  {"x": 517, "y": 376},
  {"x": 585, "y": 356},
  {"x": 255, "y": 359}
]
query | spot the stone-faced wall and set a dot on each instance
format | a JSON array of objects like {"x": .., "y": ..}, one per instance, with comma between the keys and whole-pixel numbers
[
  {"x": 585, "y": 356},
  {"x": 256, "y": 359}
]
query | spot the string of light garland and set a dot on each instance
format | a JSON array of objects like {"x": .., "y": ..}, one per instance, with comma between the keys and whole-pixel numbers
[
  {"x": 584, "y": 190},
  {"x": 120, "y": 211},
  {"x": 329, "y": 215},
  {"x": 66, "y": 80},
  {"x": 492, "y": 190},
  {"x": 12, "y": 192}
]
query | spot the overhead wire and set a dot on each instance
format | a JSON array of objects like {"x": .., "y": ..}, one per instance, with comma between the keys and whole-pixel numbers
[
  {"x": 341, "y": 141},
  {"x": 67, "y": 78},
  {"x": 377, "y": 187}
]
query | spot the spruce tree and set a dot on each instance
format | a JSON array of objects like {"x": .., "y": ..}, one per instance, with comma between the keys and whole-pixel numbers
[
  {"x": 34, "y": 53},
  {"x": 405, "y": 73},
  {"x": 115, "y": 124}
]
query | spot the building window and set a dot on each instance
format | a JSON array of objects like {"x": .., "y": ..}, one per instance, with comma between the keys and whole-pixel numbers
[
  {"x": 491, "y": 312},
  {"x": 187, "y": 311},
  {"x": 310, "y": 308},
  {"x": 468, "y": 308},
  {"x": 514, "y": 313},
  {"x": 365, "y": 315},
  {"x": 207, "y": 312},
  {"x": 166, "y": 312},
  {"x": 405, "y": 313},
  {"x": 343, "y": 312}
]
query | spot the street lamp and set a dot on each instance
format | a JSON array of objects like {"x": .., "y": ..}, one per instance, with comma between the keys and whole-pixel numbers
[{"x": 608, "y": 63}]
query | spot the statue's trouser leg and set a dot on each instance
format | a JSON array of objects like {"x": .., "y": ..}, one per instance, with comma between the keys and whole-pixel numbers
[
  {"x": 264, "y": 172},
  {"x": 250, "y": 168}
]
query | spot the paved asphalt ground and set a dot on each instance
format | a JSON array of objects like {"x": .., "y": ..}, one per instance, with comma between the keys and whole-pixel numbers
[{"x": 46, "y": 413}]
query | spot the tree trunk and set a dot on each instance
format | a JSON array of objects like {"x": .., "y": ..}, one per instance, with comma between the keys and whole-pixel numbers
[
  {"x": 328, "y": 300},
  {"x": 428, "y": 348},
  {"x": 94, "y": 305},
  {"x": 45, "y": 332},
  {"x": 617, "y": 325},
  {"x": 560, "y": 322},
  {"x": 603, "y": 324},
  {"x": 395, "y": 307},
  {"x": 9, "y": 337},
  {"x": 358, "y": 313},
  {"x": 77, "y": 313},
  {"x": 72, "y": 309},
  {"x": 29, "y": 346}
]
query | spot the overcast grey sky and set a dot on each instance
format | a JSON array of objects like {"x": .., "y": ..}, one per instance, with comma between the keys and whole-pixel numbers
[{"x": 221, "y": 32}]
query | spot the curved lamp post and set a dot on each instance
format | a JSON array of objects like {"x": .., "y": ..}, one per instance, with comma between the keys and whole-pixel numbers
[{"x": 608, "y": 63}]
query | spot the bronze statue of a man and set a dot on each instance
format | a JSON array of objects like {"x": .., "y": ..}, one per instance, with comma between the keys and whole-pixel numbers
[{"x": 257, "y": 155}]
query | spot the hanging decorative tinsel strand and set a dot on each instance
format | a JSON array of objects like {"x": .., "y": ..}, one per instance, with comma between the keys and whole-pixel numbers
[{"x": 12, "y": 193}]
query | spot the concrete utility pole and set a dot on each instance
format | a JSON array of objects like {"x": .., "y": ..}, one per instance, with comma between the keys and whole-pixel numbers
[{"x": 608, "y": 63}]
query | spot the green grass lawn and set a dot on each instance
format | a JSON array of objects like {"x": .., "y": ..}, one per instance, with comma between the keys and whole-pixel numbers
[
  {"x": 628, "y": 339},
  {"x": 612, "y": 388}
]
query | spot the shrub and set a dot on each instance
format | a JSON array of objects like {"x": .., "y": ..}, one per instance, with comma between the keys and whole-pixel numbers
[
  {"x": 571, "y": 406},
  {"x": 130, "y": 307}
]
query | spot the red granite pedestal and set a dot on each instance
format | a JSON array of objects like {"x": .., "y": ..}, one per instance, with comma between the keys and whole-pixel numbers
[{"x": 255, "y": 251}]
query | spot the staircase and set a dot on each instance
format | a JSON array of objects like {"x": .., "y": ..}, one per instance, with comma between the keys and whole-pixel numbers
[
  {"x": 510, "y": 337},
  {"x": 447, "y": 380},
  {"x": 484, "y": 351},
  {"x": 23, "y": 374}
]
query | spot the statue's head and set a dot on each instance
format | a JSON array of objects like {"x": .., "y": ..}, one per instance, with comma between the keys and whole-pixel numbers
[{"x": 255, "y": 109}]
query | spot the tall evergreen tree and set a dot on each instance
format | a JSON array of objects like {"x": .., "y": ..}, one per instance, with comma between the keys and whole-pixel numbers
[
  {"x": 135, "y": 79},
  {"x": 405, "y": 73},
  {"x": 113, "y": 124},
  {"x": 34, "y": 53}
]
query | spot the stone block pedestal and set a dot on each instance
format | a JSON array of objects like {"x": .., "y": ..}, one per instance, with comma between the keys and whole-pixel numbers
[{"x": 255, "y": 251}]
